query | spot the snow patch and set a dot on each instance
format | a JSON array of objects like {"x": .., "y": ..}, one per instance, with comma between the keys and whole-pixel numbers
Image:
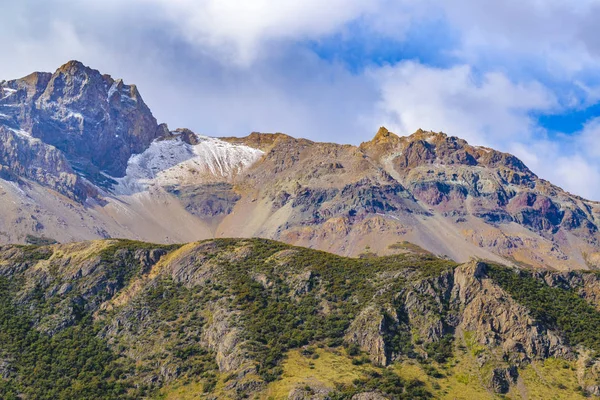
[
  {"x": 172, "y": 162},
  {"x": 23, "y": 134},
  {"x": 20, "y": 132},
  {"x": 113, "y": 89},
  {"x": 484, "y": 149},
  {"x": 7, "y": 92},
  {"x": 124, "y": 91},
  {"x": 388, "y": 215}
]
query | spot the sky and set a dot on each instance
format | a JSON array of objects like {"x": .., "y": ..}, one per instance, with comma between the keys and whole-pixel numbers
[{"x": 519, "y": 76}]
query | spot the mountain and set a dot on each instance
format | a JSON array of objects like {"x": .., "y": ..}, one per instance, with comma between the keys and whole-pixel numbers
[
  {"x": 83, "y": 158},
  {"x": 254, "y": 318},
  {"x": 429, "y": 268}
]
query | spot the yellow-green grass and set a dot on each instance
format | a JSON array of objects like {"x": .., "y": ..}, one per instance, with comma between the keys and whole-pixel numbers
[
  {"x": 327, "y": 369},
  {"x": 551, "y": 379},
  {"x": 179, "y": 391}
]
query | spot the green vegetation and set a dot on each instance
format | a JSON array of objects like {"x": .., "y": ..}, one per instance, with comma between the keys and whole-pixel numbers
[
  {"x": 275, "y": 323},
  {"x": 558, "y": 308},
  {"x": 441, "y": 350},
  {"x": 72, "y": 364},
  {"x": 386, "y": 382},
  {"x": 109, "y": 320},
  {"x": 31, "y": 254}
]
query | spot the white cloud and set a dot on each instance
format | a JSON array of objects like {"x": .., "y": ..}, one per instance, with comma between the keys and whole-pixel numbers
[
  {"x": 227, "y": 67},
  {"x": 577, "y": 175},
  {"x": 589, "y": 139},
  {"x": 489, "y": 109},
  {"x": 494, "y": 111},
  {"x": 559, "y": 34},
  {"x": 240, "y": 29}
]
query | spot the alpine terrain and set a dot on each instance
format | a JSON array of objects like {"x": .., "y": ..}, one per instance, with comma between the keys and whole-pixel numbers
[{"x": 408, "y": 267}]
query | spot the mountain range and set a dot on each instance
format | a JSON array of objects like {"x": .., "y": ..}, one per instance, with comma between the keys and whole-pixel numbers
[
  {"x": 140, "y": 262},
  {"x": 83, "y": 158}
]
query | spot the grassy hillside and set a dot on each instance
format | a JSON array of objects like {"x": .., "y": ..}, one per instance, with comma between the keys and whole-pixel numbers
[{"x": 261, "y": 319}]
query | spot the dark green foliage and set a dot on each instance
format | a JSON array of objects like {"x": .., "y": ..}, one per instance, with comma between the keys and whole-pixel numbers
[
  {"x": 275, "y": 322},
  {"x": 31, "y": 254},
  {"x": 172, "y": 321},
  {"x": 558, "y": 308},
  {"x": 39, "y": 240},
  {"x": 397, "y": 337},
  {"x": 121, "y": 258},
  {"x": 73, "y": 364},
  {"x": 441, "y": 350}
]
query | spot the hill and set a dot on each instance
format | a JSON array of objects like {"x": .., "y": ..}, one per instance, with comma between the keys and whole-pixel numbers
[{"x": 254, "y": 318}]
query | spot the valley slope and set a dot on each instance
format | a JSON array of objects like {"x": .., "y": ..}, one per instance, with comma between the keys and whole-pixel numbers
[{"x": 254, "y": 318}]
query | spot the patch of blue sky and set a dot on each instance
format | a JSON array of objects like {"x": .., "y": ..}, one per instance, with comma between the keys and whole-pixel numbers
[{"x": 358, "y": 47}]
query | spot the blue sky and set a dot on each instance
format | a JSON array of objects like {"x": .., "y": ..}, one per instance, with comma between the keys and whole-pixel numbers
[{"x": 521, "y": 76}]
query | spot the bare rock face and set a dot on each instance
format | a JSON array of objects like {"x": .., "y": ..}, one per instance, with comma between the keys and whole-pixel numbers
[
  {"x": 424, "y": 305},
  {"x": 495, "y": 319},
  {"x": 226, "y": 340},
  {"x": 96, "y": 121},
  {"x": 367, "y": 331},
  {"x": 23, "y": 156}
]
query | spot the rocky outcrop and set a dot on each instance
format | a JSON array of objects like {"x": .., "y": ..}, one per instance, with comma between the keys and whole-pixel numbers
[
  {"x": 369, "y": 396},
  {"x": 310, "y": 392},
  {"x": 495, "y": 319},
  {"x": 367, "y": 331},
  {"x": 501, "y": 379},
  {"x": 501, "y": 333},
  {"x": 226, "y": 340},
  {"x": 96, "y": 121},
  {"x": 26, "y": 157},
  {"x": 427, "y": 305}
]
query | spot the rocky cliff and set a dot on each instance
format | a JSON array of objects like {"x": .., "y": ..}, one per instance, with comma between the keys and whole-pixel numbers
[{"x": 96, "y": 121}]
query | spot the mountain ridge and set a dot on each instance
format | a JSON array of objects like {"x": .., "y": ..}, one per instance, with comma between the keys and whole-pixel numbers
[{"x": 142, "y": 181}]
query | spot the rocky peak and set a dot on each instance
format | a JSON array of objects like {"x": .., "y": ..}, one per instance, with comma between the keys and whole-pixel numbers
[
  {"x": 383, "y": 143},
  {"x": 258, "y": 140},
  {"x": 383, "y": 135},
  {"x": 426, "y": 148},
  {"x": 451, "y": 150},
  {"x": 96, "y": 121}
]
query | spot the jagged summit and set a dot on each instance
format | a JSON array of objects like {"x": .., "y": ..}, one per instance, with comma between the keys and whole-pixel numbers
[
  {"x": 383, "y": 135},
  {"x": 96, "y": 121},
  {"x": 92, "y": 139},
  {"x": 74, "y": 66},
  {"x": 430, "y": 148}
]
